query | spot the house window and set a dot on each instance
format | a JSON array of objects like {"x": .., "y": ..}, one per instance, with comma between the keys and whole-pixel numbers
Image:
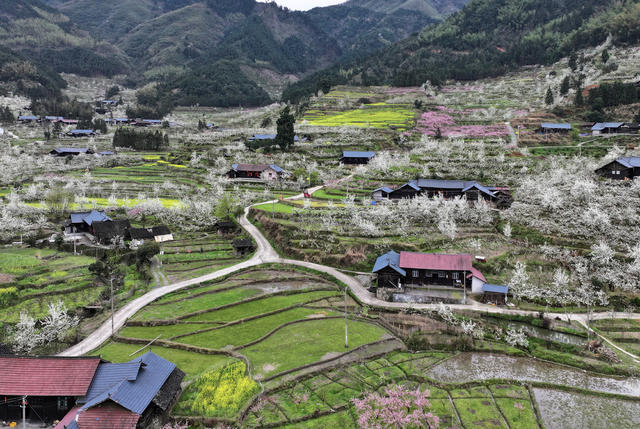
[
  {"x": 455, "y": 276},
  {"x": 415, "y": 273},
  {"x": 441, "y": 274},
  {"x": 62, "y": 403}
]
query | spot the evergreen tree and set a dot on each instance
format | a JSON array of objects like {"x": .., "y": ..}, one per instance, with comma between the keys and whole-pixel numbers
[
  {"x": 286, "y": 133},
  {"x": 605, "y": 56},
  {"x": 637, "y": 117},
  {"x": 548, "y": 99},
  {"x": 573, "y": 61},
  {"x": 438, "y": 135},
  {"x": 100, "y": 125},
  {"x": 6, "y": 116},
  {"x": 565, "y": 85},
  {"x": 579, "y": 98}
]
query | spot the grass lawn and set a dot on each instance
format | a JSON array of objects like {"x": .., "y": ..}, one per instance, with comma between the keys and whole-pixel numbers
[
  {"x": 193, "y": 364},
  {"x": 312, "y": 342}
]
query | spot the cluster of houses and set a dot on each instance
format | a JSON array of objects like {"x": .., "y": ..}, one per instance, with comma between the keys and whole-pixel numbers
[
  {"x": 596, "y": 129},
  {"x": 30, "y": 119},
  {"x": 471, "y": 189},
  {"x": 88, "y": 392},
  {"x": 105, "y": 229},
  {"x": 428, "y": 277},
  {"x": 75, "y": 151}
]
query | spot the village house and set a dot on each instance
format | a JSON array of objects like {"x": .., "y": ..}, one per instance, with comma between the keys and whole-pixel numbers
[
  {"x": 138, "y": 236},
  {"x": 255, "y": 171},
  {"x": 262, "y": 137},
  {"x": 472, "y": 190},
  {"x": 81, "y": 133},
  {"x": 161, "y": 234},
  {"x": 106, "y": 231},
  {"x": 28, "y": 119},
  {"x": 607, "y": 128},
  {"x": 354, "y": 157},
  {"x": 621, "y": 169},
  {"x": 117, "y": 121},
  {"x": 408, "y": 271},
  {"x": 494, "y": 294},
  {"x": 67, "y": 151},
  {"x": 136, "y": 394},
  {"x": 225, "y": 227},
  {"x": 552, "y": 128},
  {"x": 52, "y": 385},
  {"x": 53, "y": 118},
  {"x": 80, "y": 222}
]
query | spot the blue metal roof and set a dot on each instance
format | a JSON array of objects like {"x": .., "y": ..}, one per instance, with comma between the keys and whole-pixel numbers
[
  {"x": 89, "y": 217},
  {"x": 108, "y": 375},
  {"x": 602, "y": 125},
  {"x": 495, "y": 288},
  {"x": 136, "y": 395},
  {"x": 356, "y": 154},
  {"x": 153, "y": 121},
  {"x": 390, "y": 259},
  {"x": 630, "y": 162},
  {"x": 276, "y": 168},
  {"x": 550, "y": 125},
  {"x": 28, "y": 118},
  {"x": 479, "y": 187},
  {"x": 54, "y": 118},
  {"x": 411, "y": 184},
  {"x": 267, "y": 137},
  {"x": 81, "y": 131},
  {"x": 383, "y": 189},
  {"x": 71, "y": 150}
]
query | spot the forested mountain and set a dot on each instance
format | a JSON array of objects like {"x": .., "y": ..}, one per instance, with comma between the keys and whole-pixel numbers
[
  {"x": 487, "y": 38},
  {"x": 37, "y": 41},
  {"x": 230, "y": 52}
]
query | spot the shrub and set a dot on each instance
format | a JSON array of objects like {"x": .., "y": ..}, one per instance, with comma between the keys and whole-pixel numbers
[{"x": 7, "y": 296}]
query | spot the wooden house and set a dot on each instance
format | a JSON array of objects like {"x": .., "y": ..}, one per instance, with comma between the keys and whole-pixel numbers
[
  {"x": 139, "y": 236},
  {"x": 381, "y": 193},
  {"x": 52, "y": 385},
  {"x": 255, "y": 171},
  {"x": 621, "y": 169},
  {"x": 472, "y": 190},
  {"x": 70, "y": 151},
  {"x": 397, "y": 270},
  {"x": 226, "y": 227},
  {"x": 552, "y": 128},
  {"x": 106, "y": 231},
  {"x": 243, "y": 247},
  {"x": 28, "y": 119},
  {"x": 354, "y": 157}
]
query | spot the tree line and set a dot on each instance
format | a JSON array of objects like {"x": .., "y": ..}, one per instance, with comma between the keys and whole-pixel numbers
[{"x": 140, "y": 140}]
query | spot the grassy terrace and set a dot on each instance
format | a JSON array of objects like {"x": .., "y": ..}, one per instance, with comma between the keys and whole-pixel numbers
[
  {"x": 40, "y": 276},
  {"x": 278, "y": 320},
  {"x": 378, "y": 115}
]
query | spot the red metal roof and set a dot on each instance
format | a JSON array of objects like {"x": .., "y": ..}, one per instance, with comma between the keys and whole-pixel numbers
[
  {"x": 52, "y": 376},
  {"x": 68, "y": 418},
  {"x": 433, "y": 261},
  {"x": 252, "y": 167},
  {"x": 107, "y": 416},
  {"x": 476, "y": 273}
]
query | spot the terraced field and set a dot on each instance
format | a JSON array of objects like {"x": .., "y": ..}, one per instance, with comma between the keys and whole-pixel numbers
[{"x": 378, "y": 115}]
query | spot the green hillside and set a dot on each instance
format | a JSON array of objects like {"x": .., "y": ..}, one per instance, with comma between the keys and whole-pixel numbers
[{"x": 488, "y": 38}]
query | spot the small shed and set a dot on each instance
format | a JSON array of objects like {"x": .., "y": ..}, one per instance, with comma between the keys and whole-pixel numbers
[
  {"x": 66, "y": 151},
  {"x": 494, "y": 294},
  {"x": 355, "y": 157},
  {"x": 81, "y": 133},
  {"x": 243, "y": 247},
  {"x": 381, "y": 193}
]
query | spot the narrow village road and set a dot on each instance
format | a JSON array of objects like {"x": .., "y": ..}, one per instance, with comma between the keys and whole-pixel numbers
[
  {"x": 265, "y": 254},
  {"x": 512, "y": 134}
]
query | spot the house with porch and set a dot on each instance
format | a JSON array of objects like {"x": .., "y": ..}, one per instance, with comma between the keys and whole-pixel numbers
[
  {"x": 621, "y": 169},
  {"x": 266, "y": 172},
  {"x": 51, "y": 385},
  {"x": 472, "y": 190},
  {"x": 355, "y": 157},
  {"x": 607, "y": 128},
  {"x": 409, "y": 270}
]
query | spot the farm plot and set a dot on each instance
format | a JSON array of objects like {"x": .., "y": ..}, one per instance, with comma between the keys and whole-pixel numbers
[
  {"x": 624, "y": 332},
  {"x": 328, "y": 397},
  {"x": 277, "y": 320},
  {"x": 378, "y": 115},
  {"x": 30, "y": 279}
]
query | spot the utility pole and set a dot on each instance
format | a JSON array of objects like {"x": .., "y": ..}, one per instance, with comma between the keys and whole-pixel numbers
[
  {"x": 24, "y": 412},
  {"x": 346, "y": 335},
  {"x": 112, "y": 329},
  {"x": 464, "y": 285}
]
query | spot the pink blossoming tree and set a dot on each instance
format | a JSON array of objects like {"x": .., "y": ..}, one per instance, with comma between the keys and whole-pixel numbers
[{"x": 395, "y": 407}]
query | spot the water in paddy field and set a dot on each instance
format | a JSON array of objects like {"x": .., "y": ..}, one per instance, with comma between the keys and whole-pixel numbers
[
  {"x": 548, "y": 334},
  {"x": 567, "y": 410},
  {"x": 482, "y": 366}
]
